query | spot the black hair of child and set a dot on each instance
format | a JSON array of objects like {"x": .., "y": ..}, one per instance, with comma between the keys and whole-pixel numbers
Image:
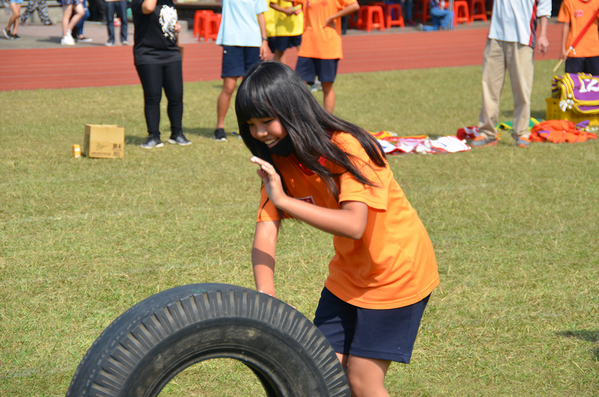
[{"x": 272, "y": 89}]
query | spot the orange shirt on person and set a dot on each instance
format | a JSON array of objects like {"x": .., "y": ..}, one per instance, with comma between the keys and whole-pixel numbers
[
  {"x": 578, "y": 13},
  {"x": 317, "y": 41},
  {"x": 393, "y": 264}
]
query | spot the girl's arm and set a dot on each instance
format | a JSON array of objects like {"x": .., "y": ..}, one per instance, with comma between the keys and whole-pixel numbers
[
  {"x": 264, "y": 45},
  {"x": 148, "y": 6},
  {"x": 288, "y": 11},
  {"x": 263, "y": 256},
  {"x": 353, "y": 7},
  {"x": 565, "y": 32},
  {"x": 349, "y": 221}
]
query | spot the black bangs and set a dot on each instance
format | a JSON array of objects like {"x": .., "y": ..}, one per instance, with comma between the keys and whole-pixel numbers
[{"x": 252, "y": 102}]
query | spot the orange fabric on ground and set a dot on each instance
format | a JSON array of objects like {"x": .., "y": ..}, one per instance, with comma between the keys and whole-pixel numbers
[
  {"x": 393, "y": 264},
  {"x": 559, "y": 131},
  {"x": 317, "y": 41},
  {"x": 578, "y": 13}
]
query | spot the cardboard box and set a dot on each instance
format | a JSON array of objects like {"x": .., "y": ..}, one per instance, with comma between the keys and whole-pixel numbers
[{"x": 104, "y": 141}]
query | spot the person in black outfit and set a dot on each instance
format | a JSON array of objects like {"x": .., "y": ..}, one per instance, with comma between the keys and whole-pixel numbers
[{"x": 158, "y": 62}]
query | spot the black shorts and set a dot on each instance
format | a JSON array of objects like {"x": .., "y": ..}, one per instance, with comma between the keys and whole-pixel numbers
[
  {"x": 387, "y": 334},
  {"x": 583, "y": 65},
  {"x": 238, "y": 60},
  {"x": 309, "y": 68},
  {"x": 284, "y": 42}
]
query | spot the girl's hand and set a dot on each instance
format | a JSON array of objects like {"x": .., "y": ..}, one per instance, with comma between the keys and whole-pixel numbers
[
  {"x": 271, "y": 180},
  {"x": 177, "y": 28},
  {"x": 330, "y": 22}
]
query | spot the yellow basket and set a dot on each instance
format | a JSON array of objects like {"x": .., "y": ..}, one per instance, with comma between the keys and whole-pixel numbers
[{"x": 555, "y": 113}]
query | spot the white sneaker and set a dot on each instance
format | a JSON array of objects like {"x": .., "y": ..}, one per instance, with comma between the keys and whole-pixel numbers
[{"x": 67, "y": 40}]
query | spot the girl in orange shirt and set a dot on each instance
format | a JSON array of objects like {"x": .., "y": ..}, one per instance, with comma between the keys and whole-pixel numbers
[{"x": 333, "y": 175}]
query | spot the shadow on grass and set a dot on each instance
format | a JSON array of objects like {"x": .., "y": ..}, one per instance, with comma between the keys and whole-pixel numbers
[
  {"x": 588, "y": 336},
  {"x": 134, "y": 140},
  {"x": 203, "y": 132},
  {"x": 508, "y": 115}
]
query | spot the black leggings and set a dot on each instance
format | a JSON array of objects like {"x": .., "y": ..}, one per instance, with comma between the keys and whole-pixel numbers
[{"x": 153, "y": 78}]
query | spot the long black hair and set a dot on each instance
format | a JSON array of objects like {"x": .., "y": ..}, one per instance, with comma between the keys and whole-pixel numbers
[{"x": 272, "y": 89}]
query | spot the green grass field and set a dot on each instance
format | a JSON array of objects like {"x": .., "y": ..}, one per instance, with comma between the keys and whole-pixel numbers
[{"x": 516, "y": 233}]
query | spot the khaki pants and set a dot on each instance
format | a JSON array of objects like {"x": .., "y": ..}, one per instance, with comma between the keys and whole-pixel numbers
[{"x": 518, "y": 59}]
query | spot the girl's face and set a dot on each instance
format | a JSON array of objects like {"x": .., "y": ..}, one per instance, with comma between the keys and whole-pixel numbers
[{"x": 268, "y": 130}]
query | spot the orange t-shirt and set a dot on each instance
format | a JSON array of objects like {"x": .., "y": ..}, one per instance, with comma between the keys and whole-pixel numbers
[
  {"x": 393, "y": 264},
  {"x": 317, "y": 41},
  {"x": 578, "y": 13}
]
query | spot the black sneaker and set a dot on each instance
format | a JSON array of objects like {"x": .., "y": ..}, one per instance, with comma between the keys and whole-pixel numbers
[
  {"x": 219, "y": 134},
  {"x": 179, "y": 140},
  {"x": 7, "y": 34},
  {"x": 16, "y": 37},
  {"x": 152, "y": 143}
]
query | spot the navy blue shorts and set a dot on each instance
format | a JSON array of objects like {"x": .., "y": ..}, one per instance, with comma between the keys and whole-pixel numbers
[
  {"x": 309, "y": 68},
  {"x": 272, "y": 44},
  {"x": 284, "y": 42},
  {"x": 238, "y": 60},
  {"x": 583, "y": 65},
  {"x": 378, "y": 334}
]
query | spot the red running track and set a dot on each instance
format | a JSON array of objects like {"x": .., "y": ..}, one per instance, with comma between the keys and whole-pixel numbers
[{"x": 29, "y": 69}]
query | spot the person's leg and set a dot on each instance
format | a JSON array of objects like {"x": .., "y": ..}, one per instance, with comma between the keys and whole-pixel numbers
[
  {"x": 279, "y": 56},
  {"x": 150, "y": 76},
  {"x": 172, "y": 77},
  {"x": 408, "y": 12},
  {"x": 492, "y": 85},
  {"x": 329, "y": 97},
  {"x": 42, "y": 11},
  {"x": 520, "y": 64},
  {"x": 326, "y": 69},
  {"x": 366, "y": 376},
  {"x": 15, "y": 18},
  {"x": 445, "y": 21},
  {"x": 67, "y": 11},
  {"x": 121, "y": 10},
  {"x": 233, "y": 67},
  {"x": 224, "y": 100},
  {"x": 280, "y": 45},
  {"x": 436, "y": 14},
  {"x": 79, "y": 26},
  {"x": 31, "y": 7},
  {"x": 110, "y": 9},
  {"x": 78, "y": 12}
]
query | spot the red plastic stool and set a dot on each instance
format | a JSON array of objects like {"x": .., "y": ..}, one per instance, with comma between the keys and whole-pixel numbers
[
  {"x": 372, "y": 18},
  {"x": 392, "y": 10},
  {"x": 199, "y": 22},
  {"x": 478, "y": 10},
  {"x": 460, "y": 12},
  {"x": 422, "y": 11},
  {"x": 212, "y": 26}
]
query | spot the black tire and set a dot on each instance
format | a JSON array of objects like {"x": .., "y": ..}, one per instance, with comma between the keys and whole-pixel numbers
[{"x": 149, "y": 344}]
